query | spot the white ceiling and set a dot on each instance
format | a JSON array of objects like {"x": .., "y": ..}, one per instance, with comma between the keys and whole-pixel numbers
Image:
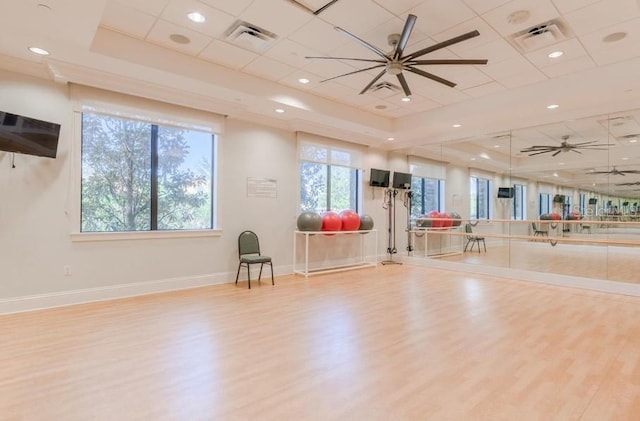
[{"x": 126, "y": 45}]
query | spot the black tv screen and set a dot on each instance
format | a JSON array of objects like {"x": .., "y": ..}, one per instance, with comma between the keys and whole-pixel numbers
[
  {"x": 401, "y": 180},
  {"x": 379, "y": 178},
  {"x": 505, "y": 192},
  {"x": 593, "y": 201},
  {"x": 27, "y": 135}
]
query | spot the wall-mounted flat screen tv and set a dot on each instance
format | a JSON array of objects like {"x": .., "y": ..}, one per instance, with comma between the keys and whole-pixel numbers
[
  {"x": 379, "y": 178},
  {"x": 401, "y": 180},
  {"x": 27, "y": 135},
  {"x": 593, "y": 201},
  {"x": 505, "y": 192}
]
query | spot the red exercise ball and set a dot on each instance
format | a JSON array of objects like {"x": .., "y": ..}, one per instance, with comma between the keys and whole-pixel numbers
[
  {"x": 556, "y": 216},
  {"x": 350, "y": 220},
  {"x": 448, "y": 221},
  {"x": 331, "y": 221},
  {"x": 437, "y": 219}
]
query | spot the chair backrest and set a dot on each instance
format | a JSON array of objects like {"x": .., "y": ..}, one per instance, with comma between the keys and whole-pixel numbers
[
  {"x": 534, "y": 227},
  {"x": 248, "y": 243},
  {"x": 467, "y": 228}
]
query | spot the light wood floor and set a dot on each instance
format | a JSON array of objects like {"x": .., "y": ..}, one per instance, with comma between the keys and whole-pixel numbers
[{"x": 395, "y": 342}]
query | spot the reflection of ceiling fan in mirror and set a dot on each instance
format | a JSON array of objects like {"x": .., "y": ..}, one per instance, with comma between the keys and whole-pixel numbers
[
  {"x": 395, "y": 62},
  {"x": 565, "y": 146},
  {"x": 637, "y": 183},
  {"x": 615, "y": 171}
]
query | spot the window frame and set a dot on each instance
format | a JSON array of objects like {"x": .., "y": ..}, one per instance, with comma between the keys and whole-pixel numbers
[
  {"x": 519, "y": 202},
  {"x": 473, "y": 213},
  {"x": 439, "y": 194}
]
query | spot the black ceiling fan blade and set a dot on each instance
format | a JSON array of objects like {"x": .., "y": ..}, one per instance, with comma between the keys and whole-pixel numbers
[
  {"x": 541, "y": 152},
  {"x": 557, "y": 152},
  {"x": 442, "y": 44},
  {"x": 447, "y": 61},
  {"x": 576, "y": 151},
  {"x": 404, "y": 37},
  {"x": 430, "y": 76},
  {"x": 374, "y": 80},
  {"x": 371, "y": 60},
  {"x": 403, "y": 83},
  {"x": 537, "y": 148},
  {"x": 354, "y": 72},
  {"x": 363, "y": 42}
]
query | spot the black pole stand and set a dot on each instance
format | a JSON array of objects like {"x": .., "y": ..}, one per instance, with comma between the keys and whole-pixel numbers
[
  {"x": 407, "y": 204},
  {"x": 391, "y": 210}
]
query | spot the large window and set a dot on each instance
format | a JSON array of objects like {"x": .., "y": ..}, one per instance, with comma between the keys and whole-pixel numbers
[
  {"x": 328, "y": 179},
  {"x": 519, "y": 202},
  {"x": 545, "y": 203},
  {"x": 139, "y": 176},
  {"x": 480, "y": 190},
  {"x": 427, "y": 195}
]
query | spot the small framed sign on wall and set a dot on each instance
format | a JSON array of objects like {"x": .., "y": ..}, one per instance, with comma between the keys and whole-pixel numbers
[{"x": 262, "y": 187}]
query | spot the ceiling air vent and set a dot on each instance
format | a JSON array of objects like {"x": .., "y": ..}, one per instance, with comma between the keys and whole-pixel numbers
[
  {"x": 247, "y": 35},
  {"x": 541, "y": 35},
  {"x": 385, "y": 86}
]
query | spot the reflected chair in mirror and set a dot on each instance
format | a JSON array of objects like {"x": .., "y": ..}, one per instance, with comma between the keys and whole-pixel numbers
[
  {"x": 539, "y": 232},
  {"x": 473, "y": 239},
  {"x": 249, "y": 254}
]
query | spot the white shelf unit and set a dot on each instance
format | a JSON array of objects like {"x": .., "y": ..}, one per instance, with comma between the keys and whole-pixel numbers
[
  {"x": 364, "y": 262},
  {"x": 445, "y": 241}
]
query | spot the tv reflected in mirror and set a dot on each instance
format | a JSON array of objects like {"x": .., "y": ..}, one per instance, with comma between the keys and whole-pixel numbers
[{"x": 505, "y": 192}]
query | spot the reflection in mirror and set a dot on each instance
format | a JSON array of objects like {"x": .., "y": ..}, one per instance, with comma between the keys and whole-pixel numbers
[{"x": 573, "y": 203}]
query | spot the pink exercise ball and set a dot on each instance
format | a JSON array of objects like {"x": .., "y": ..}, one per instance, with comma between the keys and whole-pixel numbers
[
  {"x": 350, "y": 220},
  {"x": 437, "y": 219},
  {"x": 447, "y": 221},
  {"x": 331, "y": 221}
]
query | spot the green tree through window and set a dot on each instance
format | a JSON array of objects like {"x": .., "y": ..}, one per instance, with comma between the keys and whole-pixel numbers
[{"x": 138, "y": 176}]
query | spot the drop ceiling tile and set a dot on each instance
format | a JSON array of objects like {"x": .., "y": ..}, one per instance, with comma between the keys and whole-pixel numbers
[
  {"x": 541, "y": 11},
  {"x": 379, "y": 36},
  {"x": 601, "y": 15},
  {"x": 464, "y": 76},
  {"x": 569, "y": 66},
  {"x": 524, "y": 78},
  {"x": 605, "y": 53},
  {"x": 435, "y": 16},
  {"x": 280, "y": 17},
  {"x": 399, "y": 7},
  {"x": 380, "y": 107},
  {"x": 467, "y": 47},
  {"x": 328, "y": 68},
  {"x": 233, "y": 7},
  {"x": 319, "y": 35},
  {"x": 162, "y": 30},
  {"x": 151, "y": 7},
  {"x": 571, "y": 48},
  {"x": 227, "y": 55},
  {"x": 483, "y": 6},
  {"x": 268, "y": 68},
  {"x": 507, "y": 68},
  {"x": 566, "y": 6},
  {"x": 333, "y": 90},
  {"x": 217, "y": 22},
  {"x": 435, "y": 91},
  {"x": 127, "y": 20},
  {"x": 356, "y": 16},
  {"x": 495, "y": 51},
  {"x": 291, "y": 53},
  {"x": 486, "y": 89}
]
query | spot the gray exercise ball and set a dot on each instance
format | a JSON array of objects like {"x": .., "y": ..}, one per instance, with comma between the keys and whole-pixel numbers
[
  {"x": 457, "y": 219},
  {"x": 366, "y": 223},
  {"x": 309, "y": 221}
]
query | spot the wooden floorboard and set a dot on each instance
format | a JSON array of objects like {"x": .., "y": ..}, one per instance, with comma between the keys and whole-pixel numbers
[{"x": 392, "y": 342}]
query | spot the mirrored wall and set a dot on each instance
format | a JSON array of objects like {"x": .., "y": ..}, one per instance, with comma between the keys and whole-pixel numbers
[{"x": 562, "y": 198}]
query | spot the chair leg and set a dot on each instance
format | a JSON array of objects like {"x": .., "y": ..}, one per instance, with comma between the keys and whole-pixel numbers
[
  {"x": 272, "y": 281},
  {"x": 466, "y": 245},
  {"x": 484, "y": 244},
  {"x": 249, "y": 275},
  {"x": 238, "y": 274},
  {"x": 260, "y": 275}
]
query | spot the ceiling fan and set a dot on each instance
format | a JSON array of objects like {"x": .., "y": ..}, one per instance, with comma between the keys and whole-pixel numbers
[
  {"x": 615, "y": 171},
  {"x": 637, "y": 183},
  {"x": 565, "y": 146},
  {"x": 395, "y": 62}
]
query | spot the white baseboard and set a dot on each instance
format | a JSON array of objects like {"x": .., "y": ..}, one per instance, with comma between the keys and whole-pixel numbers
[{"x": 112, "y": 292}]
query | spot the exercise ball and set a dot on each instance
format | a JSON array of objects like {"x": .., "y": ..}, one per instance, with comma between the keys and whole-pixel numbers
[
  {"x": 350, "y": 220},
  {"x": 331, "y": 221},
  {"x": 457, "y": 219},
  {"x": 422, "y": 222},
  {"x": 545, "y": 217},
  {"x": 447, "y": 222},
  {"x": 309, "y": 221},
  {"x": 366, "y": 223},
  {"x": 437, "y": 219},
  {"x": 555, "y": 216}
]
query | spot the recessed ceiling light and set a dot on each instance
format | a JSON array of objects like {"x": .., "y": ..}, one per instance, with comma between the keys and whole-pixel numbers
[
  {"x": 473, "y": 159},
  {"x": 391, "y": 139},
  {"x": 196, "y": 17},
  {"x": 405, "y": 99},
  {"x": 496, "y": 146},
  {"x": 279, "y": 110},
  {"x": 633, "y": 140},
  {"x": 552, "y": 106},
  {"x": 457, "y": 125},
  {"x": 555, "y": 174},
  {"x": 625, "y": 159},
  {"x": 39, "y": 51},
  {"x": 179, "y": 39},
  {"x": 303, "y": 80},
  {"x": 562, "y": 163},
  {"x": 555, "y": 54},
  {"x": 616, "y": 36}
]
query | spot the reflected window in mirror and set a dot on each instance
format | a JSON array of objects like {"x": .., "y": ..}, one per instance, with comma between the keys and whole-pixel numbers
[
  {"x": 479, "y": 197},
  {"x": 427, "y": 195},
  {"x": 519, "y": 204},
  {"x": 545, "y": 203}
]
